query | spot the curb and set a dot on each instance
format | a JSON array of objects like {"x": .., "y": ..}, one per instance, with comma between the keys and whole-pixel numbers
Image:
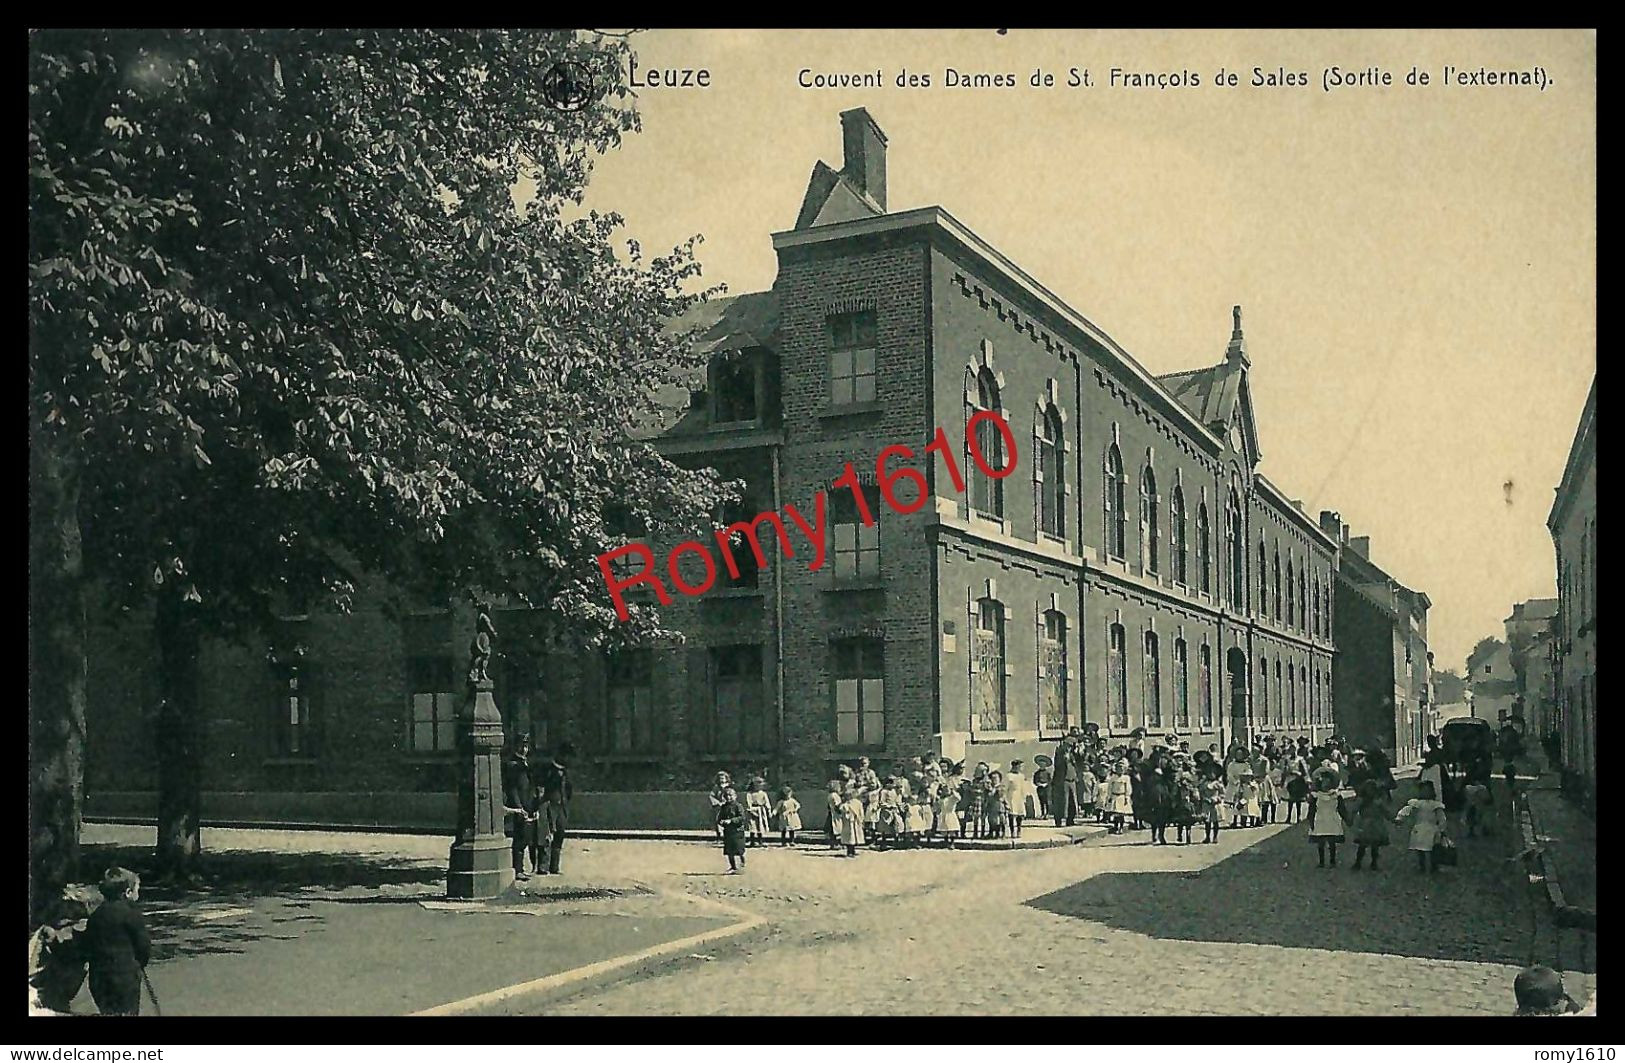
[
  {"x": 1566, "y": 915},
  {"x": 748, "y": 921}
]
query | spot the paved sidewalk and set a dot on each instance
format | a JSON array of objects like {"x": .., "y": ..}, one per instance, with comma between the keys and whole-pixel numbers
[{"x": 1569, "y": 838}]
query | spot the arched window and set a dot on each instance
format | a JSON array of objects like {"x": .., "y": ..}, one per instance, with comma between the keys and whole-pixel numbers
[
  {"x": 1263, "y": 706},
  {"x": 1204, "y": 549},
  {"x": 1303, "y": 685},
  {"x": 1263, "y": 604},
  {"x": 1051, "y": 470},
  {"x": 1275, "y": 609},
  {"x": 1291, "y": 597},
  {"x": 1150, "y": 531},
  {"x": 1303, "y": 599},
  {"x": 1204, "y": 689},
  {"x": 1315, "y": 615},
  {"x": 1291, "y": 696},
  {"x": 1153, "y": 681},
  {"x": 1052, "y": 673},
  {"x": 1280, "y": 698},
  {"x": 987, "y": 664},
  {"x": 1182, "y": 686},
  {"x": 986, "y": 493},
  {"x": 1116, "y": 518},
  {"x": 1117, "y": 677},
  {"x": 1314, "y": 699},
  {"x": 1238, "y": 560},
  {"x": 1176, "y": 519}
]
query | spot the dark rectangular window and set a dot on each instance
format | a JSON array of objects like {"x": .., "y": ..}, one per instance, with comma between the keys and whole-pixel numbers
[
  {"x": 852, "y": 358},
  {"x": 859, "y": 677},
  {"x": 857, "y": 545},
  {"x": 432, "y": 727},
  {"x": 733, "y": 387},
  {"x": 738, "y": 710},
  {"x": 630, "y": 697}
]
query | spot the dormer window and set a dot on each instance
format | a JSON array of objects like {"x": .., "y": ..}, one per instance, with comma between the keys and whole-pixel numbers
[{"x": 735, "y": 388}]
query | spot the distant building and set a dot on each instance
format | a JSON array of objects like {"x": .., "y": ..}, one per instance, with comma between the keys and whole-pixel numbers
[
  {"x": 1491, "y": 681},
  {"x": 1382, "y": 686},
  {"x": 1529, "y": 640},
  {"x": 1573, "y": 524}
]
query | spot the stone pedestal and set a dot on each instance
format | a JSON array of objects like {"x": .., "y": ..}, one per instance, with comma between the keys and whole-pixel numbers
[{"x": 481, "y": 864}]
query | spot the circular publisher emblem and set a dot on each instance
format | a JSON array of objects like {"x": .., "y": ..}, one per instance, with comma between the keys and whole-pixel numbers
[{"x": 568, "y": 86}]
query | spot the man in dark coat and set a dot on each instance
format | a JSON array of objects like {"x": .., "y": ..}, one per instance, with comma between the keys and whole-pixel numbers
[
  {"x": 520, "y": 803},
  {"x": 117, "y": 945},
  {"x": 556, "y": 791},
  {"x": 1063, "y": 784}
]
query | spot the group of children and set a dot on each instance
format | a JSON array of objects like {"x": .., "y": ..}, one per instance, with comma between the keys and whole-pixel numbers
[
  {"x": 97, "y": 932},
  {"x": 1367, "y": 818}
]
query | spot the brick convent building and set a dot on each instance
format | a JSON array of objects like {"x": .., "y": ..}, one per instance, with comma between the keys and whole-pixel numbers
[{"x": 1133, "y": 570}]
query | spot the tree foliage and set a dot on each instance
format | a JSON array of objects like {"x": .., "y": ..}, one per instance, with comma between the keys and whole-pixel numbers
[{"x": 288, "y": 324}]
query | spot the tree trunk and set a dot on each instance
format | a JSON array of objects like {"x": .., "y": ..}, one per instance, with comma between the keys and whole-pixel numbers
[
  {"x": 179, "y": 737},
  {"x": 56, "y": 670}
]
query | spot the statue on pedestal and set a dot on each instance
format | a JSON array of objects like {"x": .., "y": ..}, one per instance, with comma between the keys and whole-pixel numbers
[{"x": 479, "y": 650}]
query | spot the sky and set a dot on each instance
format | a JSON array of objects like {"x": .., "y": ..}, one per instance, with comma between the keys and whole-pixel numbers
[{"x": 1416, "y": 263}]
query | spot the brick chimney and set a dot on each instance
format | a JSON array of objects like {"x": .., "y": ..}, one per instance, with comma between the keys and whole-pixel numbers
[
  {"x": 1331, "y": 522},
  {"x": 1361, "y": 545},
  {"x": 864, "y": 146}
]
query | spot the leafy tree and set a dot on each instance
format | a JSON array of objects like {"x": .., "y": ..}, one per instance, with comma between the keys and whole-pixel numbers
[{"x": 287, "y": 324}]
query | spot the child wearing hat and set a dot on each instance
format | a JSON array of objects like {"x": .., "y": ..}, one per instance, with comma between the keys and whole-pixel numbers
[{"x": 117, "y": 945}]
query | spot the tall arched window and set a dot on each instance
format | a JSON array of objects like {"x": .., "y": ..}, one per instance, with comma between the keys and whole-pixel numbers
[
  {"x": 1116, "y": 517},
  {"x": 1315, "y": 615},
  {"x": 1263, "y": 706},
  {"x": 1303, "y": 599},
  {"x": 1182, "y": 686},
  {"x": 1303, "y": 685},
  {"x": 1117, "y": 677},
  {"x": 1263, "y": 604},
  {"x": 1176, "y": 521},
  {"x": 1291, "y": 696},
  {"x": 1150, "y": 531},
  {"x": 1052, "y": 677},
  {"x": 1051, "y": 472},
  {"x": 1153, "y": 681},
  {"x": 1204, "y": 689},
  {"x": 1280, "y": 698},
  {"x": 1204, "y": 549},
  {"x": 1275, "y": 609},
  {"x": 1291, "y": 597},
  {"x": 986, "y": 493},
  {"x": 987, "y": 663},
  {"x": 1238, "y": 560}
]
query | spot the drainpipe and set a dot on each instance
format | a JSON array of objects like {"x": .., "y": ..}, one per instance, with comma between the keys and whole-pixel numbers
[{"x": 778, "y": 620}]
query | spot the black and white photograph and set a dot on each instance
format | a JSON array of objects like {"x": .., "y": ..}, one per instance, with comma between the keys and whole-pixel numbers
[{"x": 812, "y": 523}]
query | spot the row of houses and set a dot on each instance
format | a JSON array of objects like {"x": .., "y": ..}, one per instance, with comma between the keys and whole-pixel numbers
[
  {"x": 1124, "y": 563},
  {"x": 1573, "y": 660}
]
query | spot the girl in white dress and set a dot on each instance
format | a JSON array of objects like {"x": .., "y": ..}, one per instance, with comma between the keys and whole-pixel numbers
[
  {"x": 851, "y": 825},
  {"x": 788, "y": 813},
  {"x": 1120, "y": 796},
  {"x": 917, "y": 817},
  {"x": 947, "y": 802},
  {"x": 1426, "y": 815},
  {"x": 758, "y": 811},
  {"x": 1247, "y": 803},
  {"x": 1326, "y": 816}
]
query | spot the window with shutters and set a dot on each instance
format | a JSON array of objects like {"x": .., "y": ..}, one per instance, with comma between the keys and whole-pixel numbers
[
  {"x": 988, "y": 686},
  {"x": 1052, "y": 673},
  {"x": 859, "y": 675},
  {"x": 852, "y": 373},
  {"x": 629, "y": 697},
  {"x": 1117, "y": 677}
]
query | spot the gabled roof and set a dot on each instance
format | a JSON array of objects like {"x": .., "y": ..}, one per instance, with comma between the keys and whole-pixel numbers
[
  {"x": 1216, "y": 395},
  {"x": 729, "y": 323},
  {"x": 832, "y": 197}
]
